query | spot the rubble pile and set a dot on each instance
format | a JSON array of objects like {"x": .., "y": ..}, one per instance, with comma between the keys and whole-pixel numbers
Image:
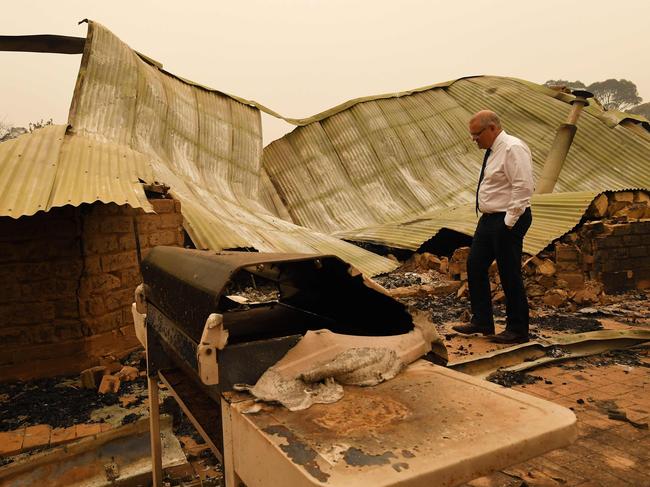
[
  {"x": 608, "y": 254},
  {"x": 62, "y": 402}
]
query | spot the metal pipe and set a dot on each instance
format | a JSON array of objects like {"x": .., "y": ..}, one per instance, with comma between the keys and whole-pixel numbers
[{"x": 561, "y": 144}]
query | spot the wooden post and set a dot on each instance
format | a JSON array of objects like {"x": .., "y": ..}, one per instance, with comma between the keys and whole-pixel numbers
[{"x": 154, "y": 430}]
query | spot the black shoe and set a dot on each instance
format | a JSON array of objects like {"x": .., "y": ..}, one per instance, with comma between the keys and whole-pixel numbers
[
  {"x": 509, "y": 337},
  {"x": 471, "y": 328}
]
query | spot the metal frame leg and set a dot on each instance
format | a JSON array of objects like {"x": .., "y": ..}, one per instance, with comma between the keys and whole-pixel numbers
[
  {"x": 154, "y": 430},
  {"x": 230, "y": 476}
]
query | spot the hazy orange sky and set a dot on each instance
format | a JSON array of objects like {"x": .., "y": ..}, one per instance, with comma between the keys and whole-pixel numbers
[{"x": 299, "y": 57}]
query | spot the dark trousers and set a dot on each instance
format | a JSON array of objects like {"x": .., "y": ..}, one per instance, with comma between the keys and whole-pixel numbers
[{"x": 492, "y": 240}]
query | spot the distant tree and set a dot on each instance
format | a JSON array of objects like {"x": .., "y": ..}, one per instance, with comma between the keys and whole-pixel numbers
[
  {"x": 572, "y": 85},
  {"x": 8, "y": 131},
  {"x": 643, "y": 109},
  {"x": 40, "y": 124},
  {"x": 615, "y": 94}
]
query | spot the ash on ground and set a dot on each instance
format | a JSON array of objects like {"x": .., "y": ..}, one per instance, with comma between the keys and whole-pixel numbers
[
  {"x": 629, "y": 357},
  {"x": 566, "y": 323},
  {"x": 398, "y": 279},
  {"x": 508, "y": 379}
]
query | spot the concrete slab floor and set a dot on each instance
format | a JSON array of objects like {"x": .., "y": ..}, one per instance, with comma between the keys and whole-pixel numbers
[{"x": 610, "y": 450}]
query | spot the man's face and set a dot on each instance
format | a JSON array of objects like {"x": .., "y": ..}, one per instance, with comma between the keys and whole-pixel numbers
[{"x": 483, "y": 135}]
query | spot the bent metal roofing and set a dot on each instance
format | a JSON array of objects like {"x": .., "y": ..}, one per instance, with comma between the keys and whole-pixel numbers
[
  {"x": 130, "y": 121},
  {"x": 395, "y": 169},
  {"x": 391, "y": 169}
]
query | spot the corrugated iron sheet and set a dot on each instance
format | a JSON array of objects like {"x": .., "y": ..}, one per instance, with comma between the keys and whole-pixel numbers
[
  {"x": 394, "y": 169},
  {"x": 47, "y": 169},
  {"x": 553, "y": 216},
  {"x": 131, "y": 121},
  {"x": 391, "y": 169}
]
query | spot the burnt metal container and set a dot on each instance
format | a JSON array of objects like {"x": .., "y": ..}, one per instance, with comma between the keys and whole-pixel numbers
[{"x": 199, "y": 328}]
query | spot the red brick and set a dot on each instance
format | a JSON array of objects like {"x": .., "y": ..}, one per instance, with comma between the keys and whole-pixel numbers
[
  {"x": 92, "y": 264},
  {"x": 103, "y": 244},
  {"x": 68, "y": 330},
  {"x": 68, "y": 269},
  {"x": 42, "y": 334},
  {"x": 566, "y": 253},
  {"x": 11, "y": 442},
  {"x": 148, "y": 223},
  {"x": 10, "y": 252},
  {"x": 621, "y": 229},
  {"x": 166, "y": 237},
  {"x": 10, "y": 291},
  {"x": 127, "y": 316},
  {"x": 105, "y": 427},
  {"x": 130, "y": 278},
  {"x": 109, "y": 321},
  {"x": 162, "y": 205},
  {"x": 118, "y": 224},
  {"x": 640, "y": 251},
  {"x": 33, "y": 271},
  {"x": 575, "y": 280},
  {"x": 116, "y": 262},
  {"x": 88, "y": 429},
  {"x": 632, "y": 240},
  {"x": 641, "y": 228},
  {"x": 98, "y": 283},
  {"x": 109, "y": 383},
  {"x": 177, "y": 206},
  {"x": 37, "y": 436},
  {"x": 12, "y": 337},
  {"x": 92, "y": 306},
  {"x": 32, "y": 313},
  {"x": 119, "y": 299},
  {"x": 62, "y": 435},
  {"x": 126, "y": 242},
  {"x": 67, "y": 308},
  {"x": 173, "y": 220}
]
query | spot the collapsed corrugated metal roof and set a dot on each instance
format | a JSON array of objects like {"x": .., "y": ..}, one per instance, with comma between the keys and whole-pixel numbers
[
  {"x": 391, "y": 169},
  {"x": 394, "y": 169},
  {"x": 129, "y": 121}
]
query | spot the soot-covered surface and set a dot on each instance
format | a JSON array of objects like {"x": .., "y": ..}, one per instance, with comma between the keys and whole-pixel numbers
[
  {"x": 509, "y": 379},
  {"x": 59, "y": 402},
  {"x": 566, "y": 323}
]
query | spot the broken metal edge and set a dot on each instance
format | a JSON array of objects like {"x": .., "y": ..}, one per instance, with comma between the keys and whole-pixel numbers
[
  {"x": 46, "y": 43},
  {"x": 533, "y": 354}
]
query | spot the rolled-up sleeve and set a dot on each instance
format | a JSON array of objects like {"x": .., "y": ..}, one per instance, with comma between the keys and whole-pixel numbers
[{"x": 518, "y": 168}]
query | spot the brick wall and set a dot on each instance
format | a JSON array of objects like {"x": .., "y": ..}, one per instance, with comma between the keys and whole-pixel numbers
[
  {"x": 618, "y": 255},
  {"x": 111, "y": 268},
  {"x": 40, "y": 268},
  {"x": 67, "y": 279}
]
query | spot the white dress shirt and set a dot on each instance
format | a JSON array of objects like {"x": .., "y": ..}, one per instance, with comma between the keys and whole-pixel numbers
[{"x": 508, "y": 180}]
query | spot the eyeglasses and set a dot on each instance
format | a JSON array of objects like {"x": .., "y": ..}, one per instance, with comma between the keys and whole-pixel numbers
[{"x": 476, "y": 135}]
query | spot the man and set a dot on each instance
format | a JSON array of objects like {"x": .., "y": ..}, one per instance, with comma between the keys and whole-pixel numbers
[{"x": 503, "y": 197}]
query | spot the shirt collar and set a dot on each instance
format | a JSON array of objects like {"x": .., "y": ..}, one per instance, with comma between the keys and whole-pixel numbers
[{"x": 499, "y": 140}]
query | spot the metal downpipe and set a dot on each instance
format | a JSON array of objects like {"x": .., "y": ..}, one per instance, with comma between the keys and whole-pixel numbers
[{"x": 561, "y": 145}]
